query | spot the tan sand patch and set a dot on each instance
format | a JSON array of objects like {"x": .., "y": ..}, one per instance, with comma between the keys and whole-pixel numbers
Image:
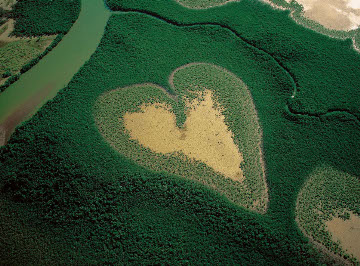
[
  {"x": 205, "y": 136},
  {"x": 341, "y": 15},
  {"x": 347, "y": 232},
  {"x": 9, "y": 25},
  {"x": 7, "y": 4}
]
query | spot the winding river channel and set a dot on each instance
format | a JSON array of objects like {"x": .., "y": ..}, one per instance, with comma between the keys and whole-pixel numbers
[{"x": 41, "y": 83}]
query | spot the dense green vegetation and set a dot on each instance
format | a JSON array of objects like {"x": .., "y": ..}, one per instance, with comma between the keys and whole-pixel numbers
[
  {"x": 112, "y": 210},
  {"x": 15, "y": 55},
  {"x": 306, "y": 56},
  {"x": 44, "y": 17},
  {"x": 34, "y": 19},
  {"x": 2, "y": 21},
  {"x": 328, "y": 193},
  {"x": 241, "y": 119}
]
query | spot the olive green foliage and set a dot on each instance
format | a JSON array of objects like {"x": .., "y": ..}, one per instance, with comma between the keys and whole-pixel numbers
[
  {"x": 357, "y": 39},
  {"x": 112, "y": 210},
  {"x": 3, "y": 28},
  {"x": 44, "y": 17},
  {"x": 2, "y": 21},
  {"x": 30, "y": 55},
  {"x": 328, "y": 193},
  {"x": 240, "y": 117},
  {"x": 201, "y": 3},
  {"x": 6, "y": 74},
  {"x": 18, "y": 53}
]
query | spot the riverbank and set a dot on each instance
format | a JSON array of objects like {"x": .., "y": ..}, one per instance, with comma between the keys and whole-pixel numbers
[{"x": 57, "y": 68}]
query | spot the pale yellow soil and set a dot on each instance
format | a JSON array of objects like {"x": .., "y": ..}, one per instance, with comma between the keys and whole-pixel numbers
[
  {"x": 341, "y": 15},
  {"x": 205, "y": 136},
  {"x": 7, "y": 4},
  {"x": 347, "y": 232},
  {"x": 4, "y": 37}
]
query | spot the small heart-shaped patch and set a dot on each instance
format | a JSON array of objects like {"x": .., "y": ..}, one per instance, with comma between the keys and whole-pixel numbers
[{"x": 208, "y": 131}]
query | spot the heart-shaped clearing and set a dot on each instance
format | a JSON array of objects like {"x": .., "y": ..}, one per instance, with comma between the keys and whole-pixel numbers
[
  {"x": 205, "y": 136},
  {"x": 209, "y": 132}
]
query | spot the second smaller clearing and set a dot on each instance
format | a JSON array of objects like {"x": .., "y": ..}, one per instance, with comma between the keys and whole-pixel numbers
[
  {"x": 343, "y": 15},
  {"x": 328, "y": 211},
  {"x": 346, "y": 232}
]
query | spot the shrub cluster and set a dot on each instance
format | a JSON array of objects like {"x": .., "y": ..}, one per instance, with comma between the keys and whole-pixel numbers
[{"x": 44, "y": 17}]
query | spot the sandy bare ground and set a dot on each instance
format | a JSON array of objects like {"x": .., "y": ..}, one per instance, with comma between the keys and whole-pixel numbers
[
  {"x": 5, "y": 36},
  {"x": 340, "y": 15},
  {"x": 7, "y": 4},
  {"x": 205, "y": 136},
  {"x": 347, "y": 232}
]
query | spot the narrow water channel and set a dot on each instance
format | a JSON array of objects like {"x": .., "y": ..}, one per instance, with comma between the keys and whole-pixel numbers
[{"x": 55, "y": 70}]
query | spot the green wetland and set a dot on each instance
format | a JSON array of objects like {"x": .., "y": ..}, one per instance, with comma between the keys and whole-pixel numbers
[{"x": 64, "y": 186}]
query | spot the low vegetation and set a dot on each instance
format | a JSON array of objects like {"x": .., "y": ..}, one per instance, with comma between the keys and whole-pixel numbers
[
  {"x": 328, "y": 207},
  {"x": 226, "y": 149},
  {"x": 15, "y": 55},
  {"x": 200, "y": 4}
]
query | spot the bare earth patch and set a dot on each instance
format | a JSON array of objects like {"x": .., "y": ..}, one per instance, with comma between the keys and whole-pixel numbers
[
  {"x": 327, "y": 212},
  {"x": 5, "y": 35},
  {"x": 347, "y": 232},
  {"x": 7, "y": 4},
  {"x": 205, "y": 136},
  {"x": 343, "y": 15}
]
